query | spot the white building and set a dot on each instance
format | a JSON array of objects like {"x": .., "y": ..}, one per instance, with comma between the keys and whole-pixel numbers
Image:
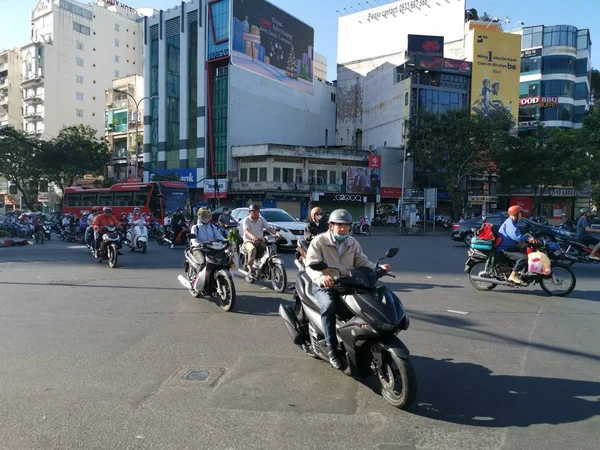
[
  {"x": 10, "y": 88},
  {"x": 74, "y": 53},
  {"x": 320, "y": 67}
]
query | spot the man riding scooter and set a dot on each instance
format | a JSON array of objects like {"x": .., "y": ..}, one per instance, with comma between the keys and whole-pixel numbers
[
  {"x": 511, "y": 243},
  {"x": 101, "y": 221},
  {"x": 583, "y": 232}
]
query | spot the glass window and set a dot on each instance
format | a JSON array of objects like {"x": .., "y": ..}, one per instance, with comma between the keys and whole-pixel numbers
[
  {"x": 581, "y": 67},
  {"x": 276, "y": 174},
  {"x": 117, "y": 74},
  {"x": 321, "y": 176},
  {"x": 219, "y": 108},
  {"x": 219, "y": 29},
  {"x": 253, "y": 174},
  {"x": 581, "y": 91},
  {"x": 559, "y": 64},
  {"x": 75, "y": 9},
  {"x": 117, "y": 27},
  {"x": 140, "y": 198},
  {"x": 81, "y": 28},
  {"x": 262, "y": 174},
  {"x": 72, "y": 199},
  {"x": 117, "y": 58},
  {"x": 89, "y": 199},
  {"x": 192, "y": 33},
  {"x": 288, "y": 175},
  {"x": 527, "y": 41},
  {"x": 79, "y": 95},
  {"x": 173, "y": 94},
  {"x": 558, "y": 88},
  {"x": 79, "y": 45},
  {"x": 529, "y": 113},
  {"x": 582, "y": 42},
  {"x": 429, "y": 100},
  {"x": 79, "y": 112},
  {"x": 531, "y": 65},
  {"x": 561, "y": 112},
  {"x": 243, "y": 174},
  {"x": 79, "y": 78},
  {"x": 578, "y": 113},
  {"x": 79, "y": 62},
  {"x": 117, "y": 43},
  {"x": 154, "y": 91},
  {"x": 299, "y": 175},
  {"x": 529, "y": 89},
  {"x": 123, "y": 199},
  {"x": 105, "y": 199},
  {"x": 332, "y": 177},
  {"x": 536, "y": 40}
]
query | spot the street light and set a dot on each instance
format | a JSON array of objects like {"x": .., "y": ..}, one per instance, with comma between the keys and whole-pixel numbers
[
  {"x": 404, "y": 168},
  {"x": 137, "y": 125},
  {"x": 515, "y": 25}
]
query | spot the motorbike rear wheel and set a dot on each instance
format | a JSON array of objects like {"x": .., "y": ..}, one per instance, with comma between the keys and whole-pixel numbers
[
  {"x": 477, "y": 270},
  {"x": 279, "y": 278},
  {"x": 367, "y": 232},
  {"x": 398, "y": 381},
  {"x": 113, "y": 255},
  {"x": 560, "y": 274},
  {"x": 225, "y": 291}
]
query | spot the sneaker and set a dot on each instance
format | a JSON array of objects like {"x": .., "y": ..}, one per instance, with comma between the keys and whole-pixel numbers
[
  {"x": 515, "y": 279},
  {"x": 334, "y": 359}
]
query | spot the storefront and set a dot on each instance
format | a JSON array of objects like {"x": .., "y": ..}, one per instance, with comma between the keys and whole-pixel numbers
[
  {"x": 356, "y": 204},
  {"x": 556, "y": 203},
  {"x": 294, "y": 203}
]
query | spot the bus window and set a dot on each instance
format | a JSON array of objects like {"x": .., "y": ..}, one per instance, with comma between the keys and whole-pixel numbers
[
  {"x": 140, "y": 198},
  {"x": 155, "y": 208},
  {"x": 105, "y": 199},
  {"x": 89, "y": 199},
  {"x": 72, "y": 199},
  {"x": 123, "y": 199}
]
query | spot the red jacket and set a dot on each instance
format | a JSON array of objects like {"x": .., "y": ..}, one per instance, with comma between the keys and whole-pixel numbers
[{"x": 103, "y": 221}]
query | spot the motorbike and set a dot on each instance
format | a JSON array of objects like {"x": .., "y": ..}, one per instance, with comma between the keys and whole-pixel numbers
[
  {"x": 136, "y": 237},
  {"x": 487, "y": 269},
  {"x": 268, "y": 266},
  {"x": 110, "y": 244},
  {"x": 158, "y": 232},
  {"x": 356, "y": 229},
  {"x": 39, "y": 234},
  {"x": 575, "y": 251},
  {"x": 212, "y": 280},
  {"x": 47, "y": 231},
  {"x": 369, "y": 317}
]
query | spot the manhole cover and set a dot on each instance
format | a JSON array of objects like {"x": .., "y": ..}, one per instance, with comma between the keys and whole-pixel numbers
[{"x": 197, "y": 375}]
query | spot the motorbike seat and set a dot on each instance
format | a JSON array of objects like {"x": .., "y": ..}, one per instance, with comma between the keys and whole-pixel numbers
[{"x": 307, "y": 283}]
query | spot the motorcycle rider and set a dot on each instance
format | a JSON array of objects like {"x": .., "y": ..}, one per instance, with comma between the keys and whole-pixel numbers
[
  {"x": 135, "y": 216},
  {"x": 316, "y": 225},
  {"x": 225, "y": 219},
  {"x": 583, "y": 232},
  {"x": 103, "y": 220},
  {"x": 511, "y": 239},
  {"x": 205, "y": 231},
  {"x": 253, "y": 226},
  {"x": 339, "y": 250},
  {"x": 176, "y": 223},
  {"x": 90, "y": 222},
  {"x": 38, "y": 222}
]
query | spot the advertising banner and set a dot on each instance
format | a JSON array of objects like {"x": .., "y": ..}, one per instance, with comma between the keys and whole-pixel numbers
[
  {"x": 375, "y": 161},
  {"x": 439, "y": 64},
  {"x": 210, "y": 190},
  {"x": 271, "y": 43},
  {"x": 524, "y": 202},
  {"x": 425, "y": 45},
  {"x": 391, "y": 192},
  {"x": 496, "y": 70},
  {"x": 363, "y": 180}
]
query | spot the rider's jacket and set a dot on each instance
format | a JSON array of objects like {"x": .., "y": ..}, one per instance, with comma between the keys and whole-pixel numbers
[{"x": 103, "y": 221}]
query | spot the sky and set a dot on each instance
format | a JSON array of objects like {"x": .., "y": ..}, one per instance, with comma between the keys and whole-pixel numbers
[{"x": 322, "y": 16}]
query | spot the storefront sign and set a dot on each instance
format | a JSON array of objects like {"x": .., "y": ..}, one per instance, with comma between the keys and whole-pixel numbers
[
  {"x": 349, "y": 198},
  {"x": 187, "y": 176},
  {"x": 524, "y": 202},
  {"x": 529, "y": 53},
  {"x": 122, "y": 5},
  {"x": 210, "y": 190},
  {"x": 425, "y": 45},
  {"x": 406, "y": 6},
  {"x": 557, "y": 211},
  {"x": 375, "y": 161},
  {"x": 478, "y": 199},
  {"x": 391, "y": 192},
  {"x": 549, "y": 192},
  {"x": 439, "y": 64},
  {"x": 479, "y": 178},
  {"x": 543, "y": 102}
]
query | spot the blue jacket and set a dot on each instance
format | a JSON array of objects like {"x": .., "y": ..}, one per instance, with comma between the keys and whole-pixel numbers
[{"x": 511, "y": 236}]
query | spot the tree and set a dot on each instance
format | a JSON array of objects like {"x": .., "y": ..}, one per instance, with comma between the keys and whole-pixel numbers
[
  {"x": 595, "y": 87},
  {"x": 291, "y": 70},
  {"x": 485, "y": 17},
  {"x": 455, "y": 144},
  {"x": 20, "y": 164},
  {"x": 471, "y": 14},
  {"x": 75, "y": 152}
]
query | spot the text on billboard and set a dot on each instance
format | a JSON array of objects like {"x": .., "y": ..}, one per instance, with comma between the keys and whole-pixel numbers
[{"x": 403, "y": 7}]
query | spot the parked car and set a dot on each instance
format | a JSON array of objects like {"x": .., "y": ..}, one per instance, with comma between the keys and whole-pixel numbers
[
  {"x": 464, "y": 231},
  {"x": 290, "y": 228}
]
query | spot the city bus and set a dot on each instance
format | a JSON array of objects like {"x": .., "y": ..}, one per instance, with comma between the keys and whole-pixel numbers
[{"x": 157, "y": 198}]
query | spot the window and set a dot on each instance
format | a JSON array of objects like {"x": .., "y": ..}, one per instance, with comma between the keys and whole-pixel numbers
[
  {"x": 429, "y": 99},
  {"x": 79, "y": 95},
  {"x": 79, "y": 45},
  {"x": 406, "y": 99},
  {"x": 449, "y": 101},
  {"x": 81, "y": 28},
  {"x": 532, "y": 37},
  {"x": 243, "y": 174},
  {"x": 560, "y": 35},
  {"x": 311, "y": 176},
  {"x": 79, "y": 112},
  {"x": 89, "y": 200},
  {"x": 581, "y": 91},
  {"x": 117, "y": 27},
  {"x": 333, "y": 98},
  {"x": 529, "y": 89},
  {"x": 558, "y": 88},
  {"x": 581, "y": 67},
  {"x": 583, "y": 40},
  {"x": 75, "y": 9},
  {"x": 117, "y": 58},
  {"x": 262, "y": 174},
  {"x": 562, "y": 112},
  {"x": 117, "y": 43},
  {"x": 105, "y": 199},
  {"x": 559, "y": 64},
  {"x": 321, "y": 177},
  {"x": 140, "y": 198},
  {"x": 253, "y": 174},
  {"x": 529, "y": 113},
  {"x": 79, "y": 79},
  {"x": 578, "y": 113},
  {"x": 276, "y": 174},
  {"x": 531, "y": 65},
  {"x": 79, "y": 61},
  {"x": 288, "y": 175},
  {"x": 117, "y": 74},
  {"x": 73, "y": 199},
  {"x": 123, "y": 199},
  {"x": 299, "y": 175},
  {"x": 332, "y": 177}
]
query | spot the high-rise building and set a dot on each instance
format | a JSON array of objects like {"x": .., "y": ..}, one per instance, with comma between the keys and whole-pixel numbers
[
  {"x": 320, "y": 67},
  {"x": 555, "y": 77},
  {"x": 74, "y": 53},
  {"x": 10, "y": 88}
]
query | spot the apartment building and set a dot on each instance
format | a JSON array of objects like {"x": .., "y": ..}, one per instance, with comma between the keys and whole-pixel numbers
[{"x": 10, "y": 88}]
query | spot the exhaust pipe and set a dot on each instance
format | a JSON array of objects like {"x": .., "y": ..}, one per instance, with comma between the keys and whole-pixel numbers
[
  {"x": 291, "y": 323},
  {"x": 492, "y": 281},
  {"x": 184, "y": 282}
]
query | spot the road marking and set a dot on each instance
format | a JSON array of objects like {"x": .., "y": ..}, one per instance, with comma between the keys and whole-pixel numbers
[{"x": 464, "y": 313}]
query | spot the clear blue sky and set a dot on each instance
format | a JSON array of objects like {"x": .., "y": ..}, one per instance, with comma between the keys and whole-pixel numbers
[{"x": 322, "y": 16}]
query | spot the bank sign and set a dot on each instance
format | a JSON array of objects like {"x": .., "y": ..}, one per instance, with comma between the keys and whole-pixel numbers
[{"x": 187, "y": 176}]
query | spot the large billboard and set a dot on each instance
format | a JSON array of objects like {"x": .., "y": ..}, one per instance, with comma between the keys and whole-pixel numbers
[
  {"x": 363, "y": 180},
  {"x": 439, "y": 64},
  {"x": 425, "y": 45},
  {"x": 496, "y": 70},
  {"x": 270, "y": 42}
]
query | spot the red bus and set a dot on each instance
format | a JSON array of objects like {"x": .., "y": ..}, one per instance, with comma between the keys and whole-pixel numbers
[{"x": 154, "y": 197}]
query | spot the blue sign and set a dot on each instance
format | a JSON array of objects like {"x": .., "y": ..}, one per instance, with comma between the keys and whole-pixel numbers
[{"x": 187, "y": 176}]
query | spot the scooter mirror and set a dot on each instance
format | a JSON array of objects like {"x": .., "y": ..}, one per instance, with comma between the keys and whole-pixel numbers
[
  {"x": 391, "y": 253},
  {"x": 318, "y": 266}
]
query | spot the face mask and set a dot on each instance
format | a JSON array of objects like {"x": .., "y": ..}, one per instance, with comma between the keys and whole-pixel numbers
[
  {"x": 204, "y": 221},
  {"x": 339, "y": 237},
  {"x": 318, "y": 216}
]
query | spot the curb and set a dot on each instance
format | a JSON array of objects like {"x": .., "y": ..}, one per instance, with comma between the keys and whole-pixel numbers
[{"x": 9, "y": 242}]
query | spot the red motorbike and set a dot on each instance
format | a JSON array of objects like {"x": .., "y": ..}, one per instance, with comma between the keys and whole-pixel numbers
[{"x": 575, "y": 251}]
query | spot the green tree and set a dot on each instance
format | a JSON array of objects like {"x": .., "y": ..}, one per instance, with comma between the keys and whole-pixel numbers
[
  {"x": 75, "y": 152},
  {"x": 20, "y": 163},
  {"x": 595, "y": 87},
  {"x": 485, "y": 17},
  {"x": 455, "y": 144}
]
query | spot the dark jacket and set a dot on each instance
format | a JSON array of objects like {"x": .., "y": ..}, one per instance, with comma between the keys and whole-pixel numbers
[{"x": 313, "y": 229}]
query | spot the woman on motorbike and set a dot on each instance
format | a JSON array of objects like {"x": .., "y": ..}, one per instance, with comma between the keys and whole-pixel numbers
[{"x": 316, "y": 225}]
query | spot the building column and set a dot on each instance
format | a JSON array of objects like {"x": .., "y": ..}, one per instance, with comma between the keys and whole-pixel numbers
[
  {"x": 201, "y": 102},
  {"x": 162, "y": 94},
  {"x": 183, "y": 93}
]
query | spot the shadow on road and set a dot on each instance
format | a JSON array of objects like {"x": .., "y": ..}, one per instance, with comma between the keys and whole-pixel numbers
[
  {"x": 470, "y": 394},
  {"x": 408, "y": 287},
  {"x": 260, "y": 306}
]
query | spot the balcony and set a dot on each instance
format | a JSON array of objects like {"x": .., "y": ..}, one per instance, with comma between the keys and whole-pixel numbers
[
  {"x": 3, "y": 99},
  {"x": 34, "y": 99},
  {"x": 32, "y": 80},
  {"x": 247, "y": 186},
  {"x": 3, "y": 82},
  {"x": 119, "y": 104},
  {"x": 34, "y": 131},
  {"x": 3, "y": 118},
  {"x": 33, "y": 116}
]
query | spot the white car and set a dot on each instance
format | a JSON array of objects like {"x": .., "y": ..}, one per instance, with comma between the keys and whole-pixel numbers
[{"x": 288, "y": 227}]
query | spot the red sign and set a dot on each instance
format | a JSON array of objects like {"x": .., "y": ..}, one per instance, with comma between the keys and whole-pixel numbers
[
  {"x": 544, "y": 102},
  {"x": 524, "y": 202},
  {"x": 375, "y": 162},
  {"x": 211, "y": 194},
  {"x": 390, "y": 192}
]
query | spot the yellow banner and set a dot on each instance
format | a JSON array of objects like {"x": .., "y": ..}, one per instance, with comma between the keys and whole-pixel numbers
[{"x": 496, "y": 70}]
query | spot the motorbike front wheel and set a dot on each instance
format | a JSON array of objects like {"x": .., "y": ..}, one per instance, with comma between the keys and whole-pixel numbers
[
  {"x": 225, "y": 290},
  {"x": 160, "y": 239},
  {"x": 278, "y": 278},
  {"x": 398, "y": 380},
  {"x": 113, "y": 255},
  {"x": 144, "y": 247},
  {"x": 561, "y": 283},
  {"x": 479, "y": 270}
]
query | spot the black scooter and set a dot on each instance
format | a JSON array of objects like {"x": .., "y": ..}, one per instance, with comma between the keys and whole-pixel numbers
[{"x": 368, "y": 318}]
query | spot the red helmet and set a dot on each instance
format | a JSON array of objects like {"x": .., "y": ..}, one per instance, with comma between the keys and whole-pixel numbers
[
  {"x": 514, "y": 210},
  {"x": 94, "y": 209}
]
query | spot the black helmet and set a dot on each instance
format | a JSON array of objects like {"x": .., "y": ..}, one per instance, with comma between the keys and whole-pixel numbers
[
  {"x": 254, "y": 207},
  {"x": 585, "y": 210},
  {"x": 340, "y": 216}
]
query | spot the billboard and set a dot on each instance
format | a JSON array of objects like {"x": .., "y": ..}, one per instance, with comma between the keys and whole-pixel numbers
[
  {"x": 425, "y": 45},
  {"x": 271, "y": 43},
  {"x": 496, "y": 71},
  {"x": 363, "y": 180},
  {"x": 439, "y": 64}
]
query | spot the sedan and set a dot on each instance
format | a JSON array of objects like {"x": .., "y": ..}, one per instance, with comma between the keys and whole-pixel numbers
[{"x": 290, "y": 228}]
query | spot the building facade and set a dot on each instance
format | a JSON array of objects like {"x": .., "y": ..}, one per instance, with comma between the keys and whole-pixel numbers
[
  {"x": 320, "y": 67},
  {"x": 555, "y": 77},
  {"x": 223, "y": 82},
  {"x": 74, "y": 53},
  {"x": 124, "y": 124},
  {"x": 10, "y": 88}
]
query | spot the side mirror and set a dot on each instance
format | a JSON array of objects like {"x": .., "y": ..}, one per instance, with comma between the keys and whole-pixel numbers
[
  {"x": 191, "y": 236},
  {"x": 391, "y": 253},
  {"x": 319, "y": 266}
]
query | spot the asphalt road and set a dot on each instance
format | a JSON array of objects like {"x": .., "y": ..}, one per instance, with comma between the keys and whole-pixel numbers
[{"x": 95, "y": 358}]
